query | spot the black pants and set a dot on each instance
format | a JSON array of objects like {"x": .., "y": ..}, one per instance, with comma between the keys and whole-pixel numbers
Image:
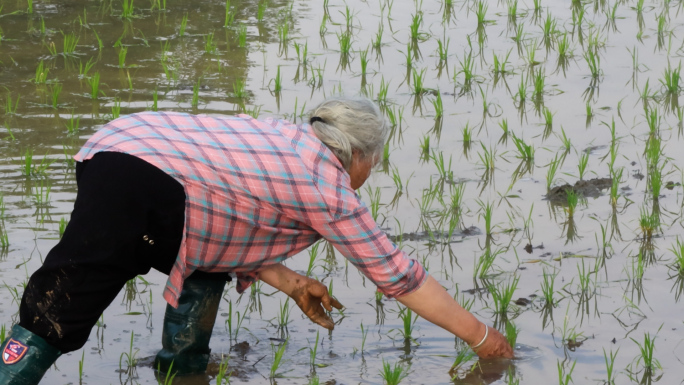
[{"x": 128, "y": 218}]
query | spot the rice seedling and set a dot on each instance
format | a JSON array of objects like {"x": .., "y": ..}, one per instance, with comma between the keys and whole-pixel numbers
[
  {"x": 549, "y": 28},
  {"x": 223, "y": 374},
  {"x": 547, "y": 286},
  {"x": 210, "y": 47},
  {"x": 84, "y": 69},
  {"x": 655, "y": 180},
  {"x": 538, "y": 82},
  {"x": 521, "y": 95},
  {"x": 653, "y": 121},
  {"x": 548, "y": 126},
  {"x": 519, "y": 35},
  {"x": 261, "y": 10},
  {"x": 55, "y": 91},
  {"x": 501, "y": 63},
  {"x": 467, "y": 69},
  {"x": 99, "y": 40},
  {"x": 63, "y": 222},
  {"x": 51, "y": 48},
  {"x": 512, "y": 6},
  {"x": 408, "y": 55},
  {"x": 94, "y": 82},
  {"x": 462, "y": 357},
  {"x": 408, "y": 322},
  {"x": 323, "y": 28},
  {"x": 582, "y": 165},
  {"x": 647, "y": 360},
  {"x": 512, "y": 331},
  {"x": 130, "y": 358},
  {"x": 594, "y": 62},
  {"x": 283, "y": 33},
  {"x": 116, "y": 108},
  {"x": 425, "y": 148},
  {"x": 377, "y": 40},
  {"x": 229, "y": 16},
  {"x": 481, "y": 13},
  {"x": 649, "y": 222},
  {"x": 69, "y": 44},
  {"x": 374, "y": 195},
  {"x": 653, "y": 152},
  {"x": 127, "y": 9},
  {"x": 195, "y": 93},
  {"x": 503, "y": 124},
  {"x": 123, "y": 51},
  {"x": 41, "y": 73},
  {"x": 551, "y": 172},
  {"x": 242, "y": 38},
  {"x": 80, "y": 367},
  {"x": 678, "y": 263},
  {"x": 671, "y": 79},
  {"x": 483, "y": 267},
  {"x": 393, "y": 375},
  {"x": 72, "y": 125},
  {"x": 345, "y": 41},
  {"x": 525, "y": 151},
  {"x": 364, "y": 334},
  {"x": 363, "y": 56},
  {"x": 418, "y": 88},
  {"x": 233, "y": 333},
  {"x": 564, "y": 378},
  {"x": 438, "y": 106},
  {"x": 616, "y": 177},
  {"x": 467, "y": 134},
  {"x": 414, "y": 27},
  {"x": 572, "y": 199},
  {"x": 487, "y": 158},
  {"x": 443, "y": 50},
  {"x": 610, "y": 363},
  {"x": 283, "y": 317},
  {"x": 502, "y": 295},
  {"x": 486, "y": 213},
  {"x": 302, "y": 51},
  {"x": 183, "y": 25},
  {"x": 277, "y": 82},
  {"x": 382, "y": 92},
  {"x": 10, "y": 107},
  {"x": 277, "y": 358},
  {"x": 444, "y": 170}
]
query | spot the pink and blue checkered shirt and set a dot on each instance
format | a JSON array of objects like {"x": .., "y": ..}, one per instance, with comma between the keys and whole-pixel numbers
[{"x": 257, "y": 192}]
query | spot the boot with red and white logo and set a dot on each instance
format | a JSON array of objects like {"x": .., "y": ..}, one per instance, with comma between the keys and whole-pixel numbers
[{"x": 25, "y": 358}]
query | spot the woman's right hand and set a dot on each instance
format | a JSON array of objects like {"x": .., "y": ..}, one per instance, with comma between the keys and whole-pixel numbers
[{"x": 495, "y": 346}]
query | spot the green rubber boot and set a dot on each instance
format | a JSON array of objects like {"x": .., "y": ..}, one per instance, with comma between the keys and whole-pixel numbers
[
  {"x": 187, "y": 329},
  {"x": 25, "y": 358}
]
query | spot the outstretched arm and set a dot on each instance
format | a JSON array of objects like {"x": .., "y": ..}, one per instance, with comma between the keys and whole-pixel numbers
[
  {"x": 433, "y": 303},
  {"x": 310, "y": 295}
]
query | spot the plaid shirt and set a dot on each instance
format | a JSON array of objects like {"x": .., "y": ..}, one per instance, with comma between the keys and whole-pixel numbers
[{"x": 257, "y": 192}]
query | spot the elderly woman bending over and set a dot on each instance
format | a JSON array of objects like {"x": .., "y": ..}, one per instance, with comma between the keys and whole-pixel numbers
[{"x": 207, "y": 199}]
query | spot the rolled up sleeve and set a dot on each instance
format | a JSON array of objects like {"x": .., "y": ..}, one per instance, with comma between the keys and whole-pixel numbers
[{"x": 361, "y": 241}]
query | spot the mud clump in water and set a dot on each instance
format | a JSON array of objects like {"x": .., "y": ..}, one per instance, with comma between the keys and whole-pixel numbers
[{"x": 586, "y": 188}]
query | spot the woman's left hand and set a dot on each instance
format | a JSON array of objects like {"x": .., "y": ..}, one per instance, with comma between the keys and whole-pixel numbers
[{"x": 309, "y": 295}]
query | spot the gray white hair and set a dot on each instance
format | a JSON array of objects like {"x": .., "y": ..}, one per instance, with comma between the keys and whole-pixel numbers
[{"x": 350, "y": 124}]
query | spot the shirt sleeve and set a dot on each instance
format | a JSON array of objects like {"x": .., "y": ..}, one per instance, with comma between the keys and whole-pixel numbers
[{"x": 361, "y": 241}]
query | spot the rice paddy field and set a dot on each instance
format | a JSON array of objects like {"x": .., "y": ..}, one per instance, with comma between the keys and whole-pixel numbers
[{"x": 533, "y": 168}]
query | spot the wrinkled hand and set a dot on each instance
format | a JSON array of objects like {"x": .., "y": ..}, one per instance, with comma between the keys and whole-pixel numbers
[
  {"x": 309, "y": 295},
  {"x": 496, "y": 346}
]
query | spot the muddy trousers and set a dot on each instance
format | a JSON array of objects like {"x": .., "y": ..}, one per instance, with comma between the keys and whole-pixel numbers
[{"x": 128, "y": 218}]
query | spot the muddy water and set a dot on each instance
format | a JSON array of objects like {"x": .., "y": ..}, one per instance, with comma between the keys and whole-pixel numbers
[{"x": 529, "y": 234}]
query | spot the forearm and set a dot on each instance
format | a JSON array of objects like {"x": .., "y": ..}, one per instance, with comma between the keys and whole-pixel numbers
[
  {"x": 434, "y": 304},
  {"x": 280, "y": 277}
]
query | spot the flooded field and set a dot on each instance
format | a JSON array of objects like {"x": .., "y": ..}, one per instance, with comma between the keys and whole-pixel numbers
[{"x": 533, "y": 168}]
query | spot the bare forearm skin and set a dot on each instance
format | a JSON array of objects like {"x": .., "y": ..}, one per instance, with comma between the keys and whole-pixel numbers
[{"x": 432, "y": 302}]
